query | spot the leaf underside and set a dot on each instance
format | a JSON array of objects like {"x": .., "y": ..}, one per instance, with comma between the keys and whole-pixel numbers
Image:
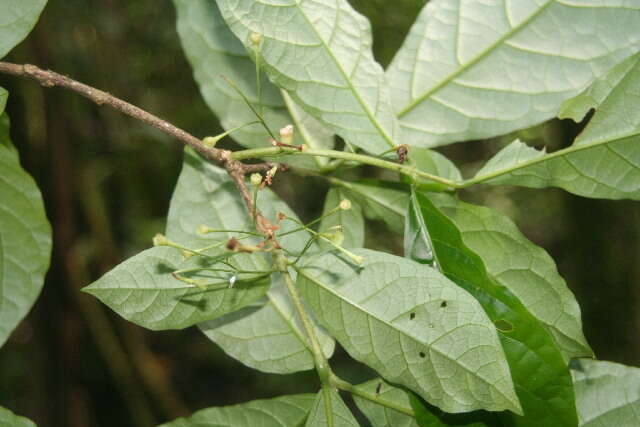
[
  {"x": 320, "y": 53},
  {"x": 603, "y": 162},
  {"x": 607, "y": 394},
  {"x": 25, "y": 237},
  {"x": 413, "y": 326},
  {"x": 285, "y": 411},
  {"x": 478, "y": 69}
]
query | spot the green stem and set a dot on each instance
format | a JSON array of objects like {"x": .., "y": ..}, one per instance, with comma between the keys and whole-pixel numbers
[
  {"x": 372, "y": 397},
  {"x": 410, "y": 171},
  {"x": 322, "y": 366},
  {"x": 309, "y": 224}
]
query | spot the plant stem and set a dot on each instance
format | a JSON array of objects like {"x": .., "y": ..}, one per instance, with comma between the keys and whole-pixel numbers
[
  {"x": 322, "y": 366},
  {"x": 410, "y": 171},
  {"x": 372, "y": 397}
]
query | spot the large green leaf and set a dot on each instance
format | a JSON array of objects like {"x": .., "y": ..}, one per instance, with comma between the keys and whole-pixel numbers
[
  {"x": 330, "y": 411},
  {"x": 476, "y": 69},
  {"x": 540, "y": 373},
  {"x": 413, "y": 326},
  {"x": 265, "y": 335},
  {"x": 385, "y": 416},
  {"x": 213, "y": 50},
  {"x": 522, "y": 267},
  {"x": 17, "y": 18},
  {"x": 320, "y": 52},
  {"x": 9, "y": 419},
  {"x": 351, "y": 220},
  {"x": 577, "y": 108},
  {"x": 25, "y": 237},
  {"x": 144, "y": 291},
  {"x": 604, "y": 161},
  {"x": 285, "y": 411},
  {"x": 268, "y": 335},
  {"x": 607, "y": 394}
]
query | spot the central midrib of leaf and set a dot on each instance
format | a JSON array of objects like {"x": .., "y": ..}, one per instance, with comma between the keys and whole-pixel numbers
[
  {"x": 474, "y": 61},
  {"x": 364, "y": 106},
  {"x": 400, "y": 331}
]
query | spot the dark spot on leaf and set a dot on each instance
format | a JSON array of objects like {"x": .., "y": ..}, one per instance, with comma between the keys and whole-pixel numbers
[
  {"x": 503, "y": 326},
  {"x": 378, "y": 387},
  {"x": 422, "y": 354},
  {"x": 412, "y": 316},
  {"x": 443, "y": 304}
]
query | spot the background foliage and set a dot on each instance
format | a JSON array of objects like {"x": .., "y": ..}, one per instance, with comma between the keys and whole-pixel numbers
[{"x": 107, "y": 181}]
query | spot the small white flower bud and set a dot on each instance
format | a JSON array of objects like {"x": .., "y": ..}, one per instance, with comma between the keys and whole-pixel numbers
[
  {"x": 256, "y": 179},
  {"x": 286, "y": 134},
  {"x": 255, "y": 38},
  {"x": 345, "y": 204}
]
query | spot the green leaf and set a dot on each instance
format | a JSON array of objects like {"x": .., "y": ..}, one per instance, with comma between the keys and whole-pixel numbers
[
  {"x": 9, "y": 419},
  {"x": 413, "y": 326},
  {"x": 476, "y": 69},
  {"x": 17, "y": 18},
  {"x": 330, "y": 411},
  {"x": 351, "y": 220},
  {"x": 265, "y": 335},
  {"x": 320, "y": 52},
  {"x": 380, "y": 200},
  {"x": 607, "y": 394},
  {"x": 144, "y": 291},
  {"x": 285, "y": 411},
  {"x": 540, "y": 374},
  {"x": 381, "y": 415},
  {"x": 25, "y": 237},
  {"x": 522, "y": 267},
  {"x": 604, "y": 161},
  {"x": 214, "y": 51},
  {"x": 268, "y": 335},
  {"x": 577, "y": 108}
]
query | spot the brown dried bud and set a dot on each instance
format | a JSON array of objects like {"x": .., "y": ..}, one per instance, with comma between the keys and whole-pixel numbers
[
  {"x": 233, "y": 244},
  {"x": 402, "y": 151}
]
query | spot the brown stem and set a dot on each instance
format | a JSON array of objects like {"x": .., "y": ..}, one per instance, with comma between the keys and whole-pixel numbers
[{"x": 235, "y": 168}]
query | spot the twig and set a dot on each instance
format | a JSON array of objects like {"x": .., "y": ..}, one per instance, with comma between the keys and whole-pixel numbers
[{"x": 236, "y": 169}]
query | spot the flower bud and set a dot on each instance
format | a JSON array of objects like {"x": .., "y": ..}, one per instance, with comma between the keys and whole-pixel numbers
[
  {"x": 345, "y": 204},
  {"x": 256, "y": 179},
  {"x": 203, "y": 229},
  {"x": 286, "y": 134},
  {"x": 211, "y": 141},
  {"x": 255, "y": 38},
  {"x": 160, "y": 240}
]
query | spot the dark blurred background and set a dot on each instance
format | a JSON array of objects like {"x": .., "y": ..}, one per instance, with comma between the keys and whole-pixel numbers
[{"x": 107, "y": 181}]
